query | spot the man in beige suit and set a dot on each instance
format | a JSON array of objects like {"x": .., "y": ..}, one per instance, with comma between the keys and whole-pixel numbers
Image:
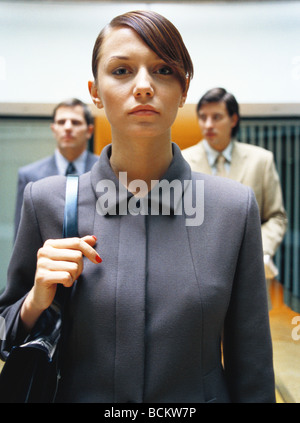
[{"x": 221, "y": 154}]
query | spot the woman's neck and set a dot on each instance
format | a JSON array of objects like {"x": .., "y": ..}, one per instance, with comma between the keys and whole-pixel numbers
[{"x": 146, "y": 160}]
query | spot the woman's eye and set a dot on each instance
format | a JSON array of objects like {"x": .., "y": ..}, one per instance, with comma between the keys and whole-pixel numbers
[
  {"x": 120, "y": 71},
  {"x": 164, "y": 70}
]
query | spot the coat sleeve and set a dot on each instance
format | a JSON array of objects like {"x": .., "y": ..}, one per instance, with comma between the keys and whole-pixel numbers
[
  {"x": 21, "y": 273},
  {"x": 248, "y": 360},
  {"x": 41, "y": 219},
  {"x": 22, "y": 182},
  {"x": 274, "y": 218}
]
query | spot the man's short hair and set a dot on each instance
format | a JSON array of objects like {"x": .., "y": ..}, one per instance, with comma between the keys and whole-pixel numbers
[
  {"x": 72, "y": 102},
  {"x": 217, "y": 95}
]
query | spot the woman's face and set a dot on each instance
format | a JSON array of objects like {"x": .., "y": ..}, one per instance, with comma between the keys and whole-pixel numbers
[{"x": 138, "y": 90}]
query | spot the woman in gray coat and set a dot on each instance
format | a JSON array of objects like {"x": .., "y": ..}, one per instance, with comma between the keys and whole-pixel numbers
[{"x": 167, "y": 263}]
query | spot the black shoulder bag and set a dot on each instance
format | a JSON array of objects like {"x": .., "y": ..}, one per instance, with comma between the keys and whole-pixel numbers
[{"x": 31, "y": 372}]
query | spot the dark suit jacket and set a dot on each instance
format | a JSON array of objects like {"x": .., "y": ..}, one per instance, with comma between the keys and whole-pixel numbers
[
  {"x": 39, "y": 170},
  {"x": 146, "y": 324}
]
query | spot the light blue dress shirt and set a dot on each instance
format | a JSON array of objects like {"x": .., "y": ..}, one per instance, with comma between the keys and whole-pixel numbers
[
  {"x": 212, "y": 155},
  {"x": 62, "y": 163}
]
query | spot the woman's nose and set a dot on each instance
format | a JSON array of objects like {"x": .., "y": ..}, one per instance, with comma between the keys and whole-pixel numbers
[{"x": 143, "y": 85}]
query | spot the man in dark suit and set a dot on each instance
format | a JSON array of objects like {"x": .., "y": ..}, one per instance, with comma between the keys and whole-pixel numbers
[{"x": 72, "y": 128}]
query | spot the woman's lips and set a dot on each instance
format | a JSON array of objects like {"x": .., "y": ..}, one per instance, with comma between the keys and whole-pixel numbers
[{"x": 143, "y": 111}]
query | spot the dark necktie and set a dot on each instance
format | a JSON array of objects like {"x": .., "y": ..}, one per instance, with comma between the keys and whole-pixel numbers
[{"x": 71, "y": 170}]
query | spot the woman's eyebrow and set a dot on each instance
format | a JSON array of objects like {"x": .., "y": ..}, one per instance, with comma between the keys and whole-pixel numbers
[{"x": 118, "y": 58}]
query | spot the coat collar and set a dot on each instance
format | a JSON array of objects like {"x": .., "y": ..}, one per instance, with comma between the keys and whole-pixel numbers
[
  {"x": 237, "y": 167},
  {"x": 114, "y": 196}
]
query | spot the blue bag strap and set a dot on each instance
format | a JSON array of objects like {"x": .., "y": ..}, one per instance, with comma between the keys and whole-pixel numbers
[{"x": 70, "y": 227}]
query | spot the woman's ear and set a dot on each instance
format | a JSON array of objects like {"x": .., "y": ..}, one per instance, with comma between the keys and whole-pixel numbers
[
  {"x": 94, "y": 94},
  {"x": 182, "y": 101},
  {"x": 184, "y": 94}
]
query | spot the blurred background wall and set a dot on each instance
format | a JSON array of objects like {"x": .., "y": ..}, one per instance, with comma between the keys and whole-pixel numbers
[{"x": 251, "y": 48}]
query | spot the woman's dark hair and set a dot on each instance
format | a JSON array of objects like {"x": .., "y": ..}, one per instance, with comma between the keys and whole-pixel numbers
[
  {"x": 159, "y": 34},
  {"x": 217, "y": 95}
]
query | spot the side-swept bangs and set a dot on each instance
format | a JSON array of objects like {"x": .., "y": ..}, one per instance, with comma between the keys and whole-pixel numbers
[{"x": 160, "y": 35}]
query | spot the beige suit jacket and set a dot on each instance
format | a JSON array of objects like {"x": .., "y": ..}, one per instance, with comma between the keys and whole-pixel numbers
[{"x": 252, "y": 166}]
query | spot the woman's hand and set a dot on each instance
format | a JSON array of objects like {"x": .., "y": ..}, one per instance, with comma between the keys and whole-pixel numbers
[{"x": 60, "y": 261}]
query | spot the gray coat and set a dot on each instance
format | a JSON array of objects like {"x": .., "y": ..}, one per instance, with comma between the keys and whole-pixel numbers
[{"x": 146, "y": 324}]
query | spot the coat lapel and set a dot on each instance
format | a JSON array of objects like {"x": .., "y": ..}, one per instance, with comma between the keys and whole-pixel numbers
[
  {"x": 237, "y": 168},
  {"x": 50, "y": 169},
  {"x": 90, "y": 161},
  {"x": 199, "y": 160}
]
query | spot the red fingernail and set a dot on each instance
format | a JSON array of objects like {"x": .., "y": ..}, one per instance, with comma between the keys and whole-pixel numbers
[
  {"x": 95, "y": 238},
  {"x": 98, "y": 258}
]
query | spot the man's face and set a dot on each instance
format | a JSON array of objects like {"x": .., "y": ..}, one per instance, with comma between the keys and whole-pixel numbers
[
  {"x": 71, "y": 130},
  {"x": 216, "y": 124}
]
